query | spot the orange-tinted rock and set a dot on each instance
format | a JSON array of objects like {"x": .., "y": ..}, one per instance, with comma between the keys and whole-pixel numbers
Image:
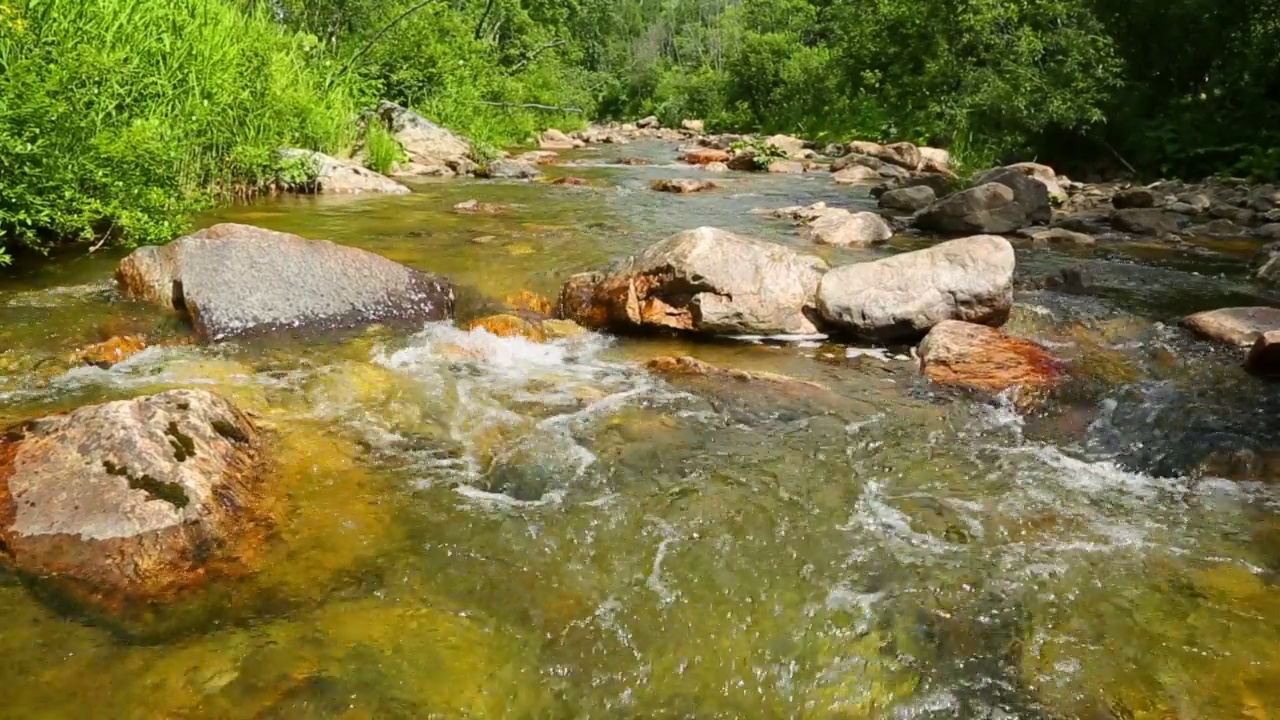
[
  {"x": 507, "y": 325},
  {"x": 570, "y": 180},
  {"x": 682, "y": 186},
  {"x": 135, "y": 500},
  {"x": 109, "y": 352},
  {"x": 531, "y": 301},
  {"x": 983, "y": 358},
  {"x": 633, "y": 161},
  {"x": 706, "y": 156}
]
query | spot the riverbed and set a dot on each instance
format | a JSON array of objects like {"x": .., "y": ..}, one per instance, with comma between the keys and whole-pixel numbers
[{"x": 477, "y": 526}]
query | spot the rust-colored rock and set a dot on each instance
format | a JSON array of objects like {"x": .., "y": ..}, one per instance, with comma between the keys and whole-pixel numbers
[
  {"x": 570, "y": 180},
  {"x": 507, "y": 325},
  {"x": 706, "y": 156},
  {"x": 634, "y": 161},
  {"x": 135, "y": 500},
  {"x": 532, "y": 302},
  {"x": 109, "y": 352},
  {"x": 983, "y": 358},
  {"x": 682, "y": 186}
]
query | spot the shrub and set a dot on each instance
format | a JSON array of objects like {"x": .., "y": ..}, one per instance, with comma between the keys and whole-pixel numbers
[{"x": 118, "y": 117}]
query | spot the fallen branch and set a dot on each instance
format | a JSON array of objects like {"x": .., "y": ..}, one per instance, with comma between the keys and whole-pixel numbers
[{"x": 538, "y": 51}]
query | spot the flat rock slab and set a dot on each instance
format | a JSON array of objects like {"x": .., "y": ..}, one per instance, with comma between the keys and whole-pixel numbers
[
  {"x": 904, "y": 296},
  {"x": 1235, "y": 326},
  {"x": 235, "y": 280},
  {"x": 707, "y": 281},
  {"x": 132, "y": 500}
]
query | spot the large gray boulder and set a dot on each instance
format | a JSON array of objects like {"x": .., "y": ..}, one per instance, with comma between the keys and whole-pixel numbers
[
  {"x": 432, "y": 149},
  {"x": 1046, "y": 176},
  {"x": 1028, "y": 191},
  {"x": 135, "y": 500},
  {"x": 901, "y": 298},
  {"x": 908, "y": 199},
  {"x": 236, "y": 280},
  {"x": 509, "y": 170},
  {"x": 989, "y": 208},
  {"x": 316, "y": 172},
  {"x": 707, "y": 281}
]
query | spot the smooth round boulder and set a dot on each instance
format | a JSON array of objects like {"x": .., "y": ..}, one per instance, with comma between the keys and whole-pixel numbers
[
  {"x": 908, "y": 199},
  {"x": 901, "y": 298},
  {"x": 706, "y": 281},
  {"x": 1029, "y": 192},
  {"x": 989, "y": 208},
  {"x": 134, "y": 500},
  {"x": 509, "y": 170},
  {"x": 842, "y": 228},
  {"x": 234, "y": 280}
]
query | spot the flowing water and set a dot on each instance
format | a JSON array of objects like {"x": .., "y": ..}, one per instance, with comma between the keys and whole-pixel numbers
[{"x": 483, "y": 527}]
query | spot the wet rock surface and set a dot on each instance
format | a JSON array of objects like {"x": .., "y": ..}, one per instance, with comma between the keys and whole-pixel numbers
[
  {"x": 233, "y": 280},
  {"x": 328, "y": 174},
  {"x": 703, "y": 281},
  {"x": 133, "y": 500}
]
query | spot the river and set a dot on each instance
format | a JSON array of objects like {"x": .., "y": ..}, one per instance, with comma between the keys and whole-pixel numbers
[{"x": 480, "y": 527}]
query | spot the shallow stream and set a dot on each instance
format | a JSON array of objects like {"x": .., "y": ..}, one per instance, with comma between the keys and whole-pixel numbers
[{"x": 483, "y": 527}]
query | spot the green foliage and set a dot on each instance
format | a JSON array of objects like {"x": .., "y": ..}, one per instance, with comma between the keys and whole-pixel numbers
[
  {"x": 118, "y": 117},
  {"x": 381, "y": 150},
  {"x": 763, "y": 154},
  {"x": 297, "y": 171}
]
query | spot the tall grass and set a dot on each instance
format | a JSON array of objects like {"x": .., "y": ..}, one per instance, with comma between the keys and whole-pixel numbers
[{"x": 117, "y": 117}]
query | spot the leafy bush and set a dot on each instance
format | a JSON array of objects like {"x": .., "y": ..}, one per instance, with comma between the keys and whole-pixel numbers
[{"x": 118, "y": 117}]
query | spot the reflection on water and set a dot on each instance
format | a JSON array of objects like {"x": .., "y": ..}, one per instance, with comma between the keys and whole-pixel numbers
[{"x": 477, "y": 526}]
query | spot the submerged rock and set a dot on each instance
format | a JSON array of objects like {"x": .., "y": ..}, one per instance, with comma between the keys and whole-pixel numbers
[
  {"x": 704, "y": 281},
  {"x": 328, "y": 174},
  {"x": 240, "y": 280},
  {"x": 1062, "y": 237},
  {"x": 845, "y": 229},
  {"x": 904, "y": 296},
  {"x": 989, "y": 208},
  {"x": 134, "y": 500},
  {"x": 683, "y": 186},
  {"x": 509, "y": 325},
  {"x": 983, "y": 358},
  {"x": 692, "y": 367},
  {"x": 475, "y": 207},
  {"x": 1235, "y": 326},
  {"x": 432, "y": 149}
]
